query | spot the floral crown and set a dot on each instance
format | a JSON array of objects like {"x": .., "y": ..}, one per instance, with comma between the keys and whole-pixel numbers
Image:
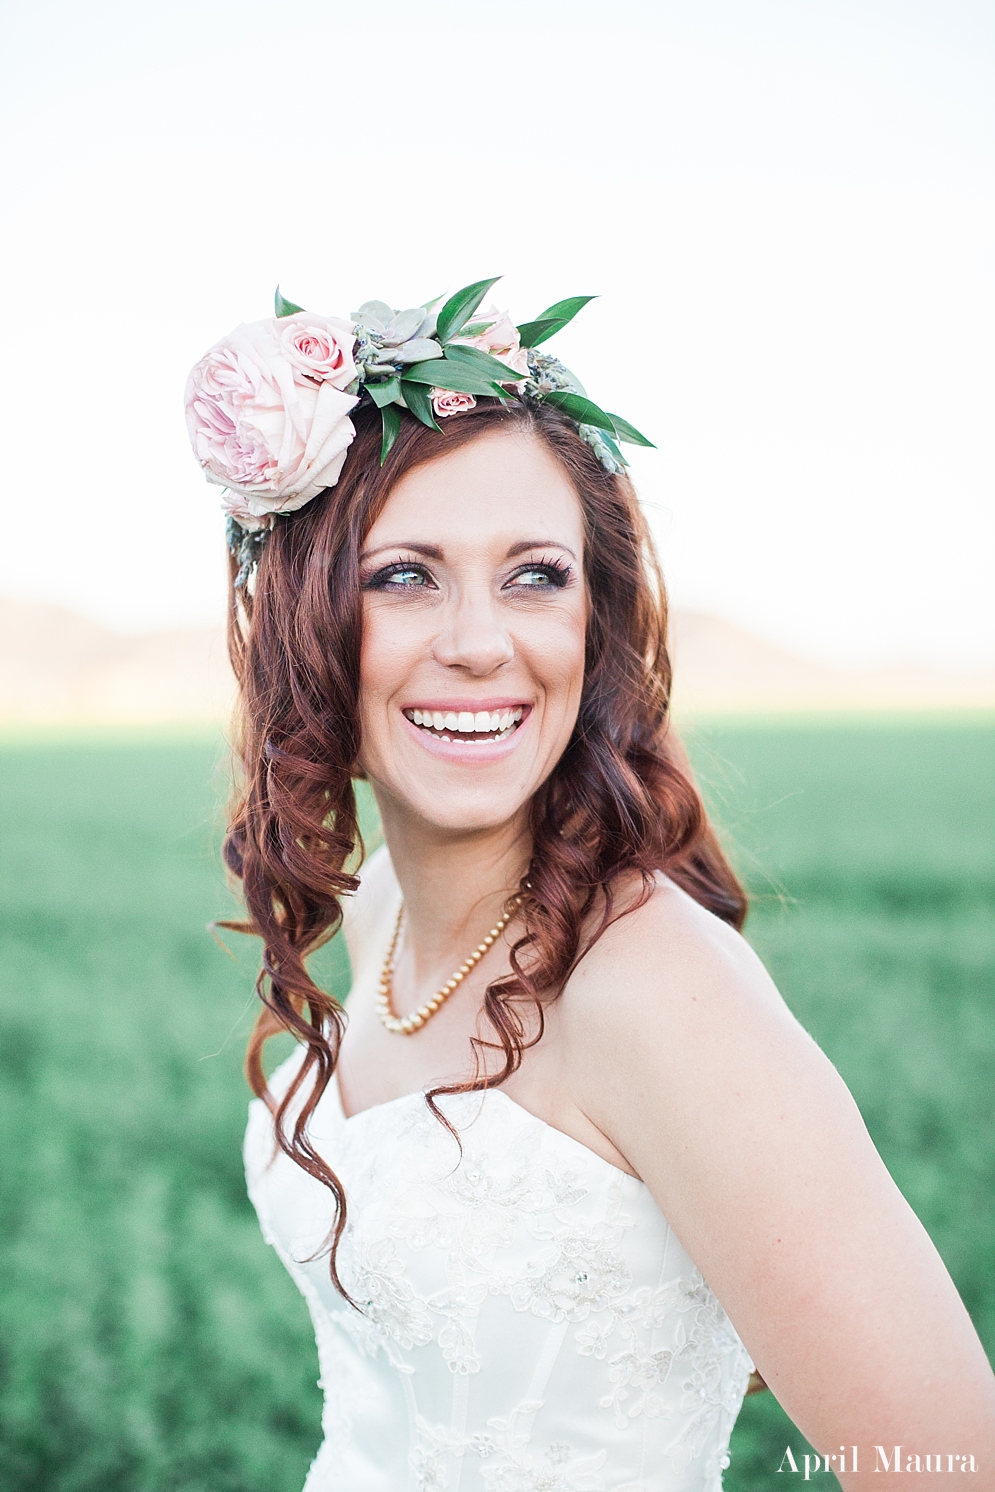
[{"x": 268, "y": 406}]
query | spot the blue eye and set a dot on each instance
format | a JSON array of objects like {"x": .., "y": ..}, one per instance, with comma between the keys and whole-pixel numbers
[
  {"x": 398, "y": 577},
  {"x": 541, "y": 577}
]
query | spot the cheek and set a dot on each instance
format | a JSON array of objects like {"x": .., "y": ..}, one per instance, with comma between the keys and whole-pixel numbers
[
  {"x": 557, "y": 654},
  {"x": 392, "y": 642}
]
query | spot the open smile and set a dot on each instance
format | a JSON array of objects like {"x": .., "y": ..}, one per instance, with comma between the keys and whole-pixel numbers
[{"x": 468, "y": 727}]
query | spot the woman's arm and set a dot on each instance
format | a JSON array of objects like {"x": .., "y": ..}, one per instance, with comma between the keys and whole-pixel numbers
[{"x": 682, "y": 1051}]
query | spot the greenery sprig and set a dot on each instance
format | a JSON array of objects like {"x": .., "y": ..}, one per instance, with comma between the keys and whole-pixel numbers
[{"x": 402, "y": 356}]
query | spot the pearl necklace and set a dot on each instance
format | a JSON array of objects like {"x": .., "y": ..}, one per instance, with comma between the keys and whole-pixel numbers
[{"x": 406, "y": 1025}]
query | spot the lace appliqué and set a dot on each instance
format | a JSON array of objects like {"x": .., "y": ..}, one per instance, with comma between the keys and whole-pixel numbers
[
  {"x": 505, "y": 1461},
  {"x": 526, "y": 1223},
  {"x": 706, "y": 1358},
  {"x": 392, "y": 1312}
]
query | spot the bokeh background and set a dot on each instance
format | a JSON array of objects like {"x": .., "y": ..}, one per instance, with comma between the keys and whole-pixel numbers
[{"x": 787, "y": 209}]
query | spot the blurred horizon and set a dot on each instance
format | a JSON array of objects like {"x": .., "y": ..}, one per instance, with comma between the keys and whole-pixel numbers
[
  {"x": 60, "y": 668},
  {"x": 787, "y": 212}
]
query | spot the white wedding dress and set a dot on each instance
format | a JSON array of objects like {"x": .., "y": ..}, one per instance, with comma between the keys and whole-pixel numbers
[{"x": 531, "y": 1322}]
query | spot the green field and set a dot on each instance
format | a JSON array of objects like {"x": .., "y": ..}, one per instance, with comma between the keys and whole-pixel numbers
[{"x": 149, "y": 1340}]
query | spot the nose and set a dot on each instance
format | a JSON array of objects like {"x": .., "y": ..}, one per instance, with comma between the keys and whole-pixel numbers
[{"x": 473, "y": 636}]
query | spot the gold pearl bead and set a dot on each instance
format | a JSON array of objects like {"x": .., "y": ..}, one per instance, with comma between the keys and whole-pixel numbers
[{"x": 417, "y": 1018}]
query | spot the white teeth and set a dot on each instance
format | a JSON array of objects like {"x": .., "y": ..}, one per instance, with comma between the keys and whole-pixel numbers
[{"x": 492, "y": 723}]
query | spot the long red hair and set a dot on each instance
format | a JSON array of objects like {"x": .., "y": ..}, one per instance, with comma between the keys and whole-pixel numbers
[{"x": 619, "y": 801}]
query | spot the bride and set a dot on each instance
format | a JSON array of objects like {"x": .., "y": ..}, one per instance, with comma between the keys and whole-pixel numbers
[{"x": 566, "y": 1168}]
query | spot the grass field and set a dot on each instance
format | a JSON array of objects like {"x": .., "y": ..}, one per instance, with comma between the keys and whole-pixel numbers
[{"x": 149, "y": 1341}]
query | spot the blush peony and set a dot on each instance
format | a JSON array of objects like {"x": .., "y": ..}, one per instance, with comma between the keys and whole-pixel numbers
[{"x": 267, "y": 417}]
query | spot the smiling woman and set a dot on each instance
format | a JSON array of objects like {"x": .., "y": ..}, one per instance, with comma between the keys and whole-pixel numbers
[
  {"x": 479, "y": 605},
  {"x": 568, "y": 1167}
]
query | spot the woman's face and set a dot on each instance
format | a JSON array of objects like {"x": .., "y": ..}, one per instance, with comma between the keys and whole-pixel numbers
[{"x": 474, "y": 613}]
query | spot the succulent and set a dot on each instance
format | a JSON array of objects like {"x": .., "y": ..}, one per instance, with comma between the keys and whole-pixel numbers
[{"x": 386, "y": 339}]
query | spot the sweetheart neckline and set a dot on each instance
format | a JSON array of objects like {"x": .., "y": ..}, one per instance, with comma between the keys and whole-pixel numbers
[{"x": 482, "y": 1093}]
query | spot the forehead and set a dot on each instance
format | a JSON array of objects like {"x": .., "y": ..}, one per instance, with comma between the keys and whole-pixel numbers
[{"x": 497, "y": 490}]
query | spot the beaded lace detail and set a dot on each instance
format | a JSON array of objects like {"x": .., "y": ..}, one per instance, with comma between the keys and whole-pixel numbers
[{"x": 530, "y": 1323}]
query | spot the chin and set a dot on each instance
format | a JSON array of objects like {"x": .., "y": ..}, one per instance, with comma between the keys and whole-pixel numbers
[{"x": 467, "y": 812}]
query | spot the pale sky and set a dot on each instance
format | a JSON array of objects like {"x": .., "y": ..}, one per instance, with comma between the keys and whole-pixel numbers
[{"x": 787, "y": 208}]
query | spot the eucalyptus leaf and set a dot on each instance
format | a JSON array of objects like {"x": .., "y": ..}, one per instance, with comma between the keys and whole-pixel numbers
[
  {"x": 383, "y": 393},
  {"x": 284, "y": 307},
  {"x": 491, "y": 367},
  {"x": 460, "y": 307},
  {"x": 419, "y": 401},
  {"x": 391, "y": 430},
  {"x": 576, "y": 387},
  {"x": 584, "y": 411},
  {"x": 628, "y": 432},
  {"x": 444, "y": 373}
]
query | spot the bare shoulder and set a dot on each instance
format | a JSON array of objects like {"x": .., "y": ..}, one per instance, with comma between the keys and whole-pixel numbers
[
  {"x": 670, "y": 961},
  {"x": 679, "y": 1043},
  {"x": 367, "y": 916},
  {"x": 681, "y": 1050}
]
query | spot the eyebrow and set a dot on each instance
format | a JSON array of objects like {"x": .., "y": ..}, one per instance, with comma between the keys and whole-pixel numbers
[{"x": 433, "y": 552}]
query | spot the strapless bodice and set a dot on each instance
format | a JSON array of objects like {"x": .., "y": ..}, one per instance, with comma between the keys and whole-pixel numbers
[{"x": 531, "y": 1322}]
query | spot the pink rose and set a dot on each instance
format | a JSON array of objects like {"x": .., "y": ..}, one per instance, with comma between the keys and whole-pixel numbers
[
  {"x": 446, "y": 402},
  {"x": 274, "y": 435},
  {"x": 320, "y": 347},
  {"x": 500, "y": 338}
]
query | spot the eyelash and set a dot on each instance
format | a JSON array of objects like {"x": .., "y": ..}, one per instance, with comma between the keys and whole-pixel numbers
[{"x": 557, "y": 572}]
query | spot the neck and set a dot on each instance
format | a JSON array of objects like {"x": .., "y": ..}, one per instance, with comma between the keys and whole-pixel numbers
[{"x": 454, "y": 888}]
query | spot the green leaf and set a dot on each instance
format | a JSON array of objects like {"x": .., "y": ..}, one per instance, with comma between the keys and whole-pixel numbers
[
  {"x": 613, "y": 448},
  {"x": 491, "y": 367},
  {"x": 443, "y": 373},
  {"x": 582, "y": 410},
  {"x": 565, "y": 310},
  {"x": 460, "y": 307},
  {"x": 552, "y": 320},
  {"x": 419, "y": 401},
  {"x": 628, "y": 432},
  {"x": 391, "y": 430},
  {"x": 383, "y": 393},
  {"x": 531, "y": 333},
  {"x": 282, "y": 307}
]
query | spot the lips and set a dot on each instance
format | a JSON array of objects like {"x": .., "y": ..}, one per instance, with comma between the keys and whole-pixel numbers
[{"x": 467, "y": 727}]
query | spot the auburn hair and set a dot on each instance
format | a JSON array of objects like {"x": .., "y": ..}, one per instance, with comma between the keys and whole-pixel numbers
[{"x": 620, "y": 800}]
